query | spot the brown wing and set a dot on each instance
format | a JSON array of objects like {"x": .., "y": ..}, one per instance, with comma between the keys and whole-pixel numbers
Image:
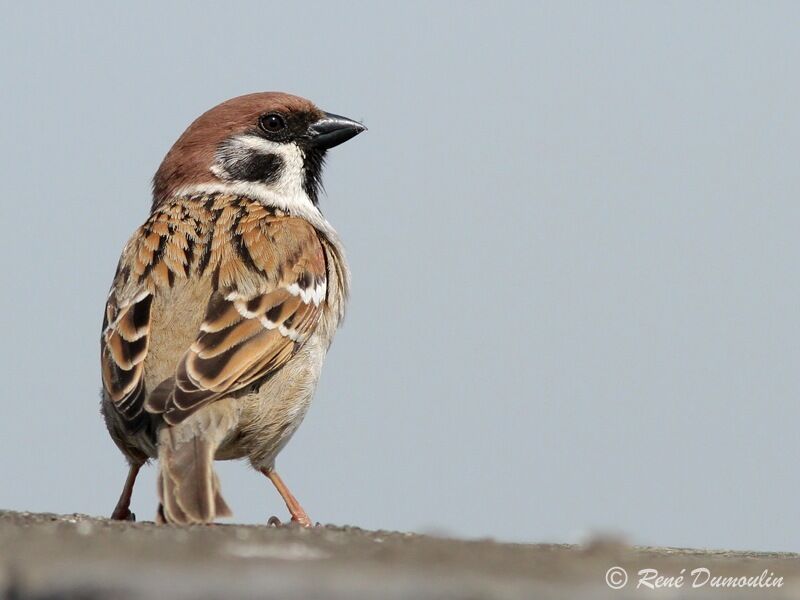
[
  {"x": 159, "y": 251},
  {"x": 270, "y": 292},
  {"x": 123, "y": 346}
]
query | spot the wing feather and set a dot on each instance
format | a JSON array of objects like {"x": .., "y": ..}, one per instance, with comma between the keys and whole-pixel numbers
[
  {"x": 124, "y": 345},
  {"x": 271, "y": 281},
  {"x": 269, "y": 288}
]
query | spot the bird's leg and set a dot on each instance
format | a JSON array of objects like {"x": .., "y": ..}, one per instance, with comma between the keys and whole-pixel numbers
[
  {"x": 298, "y": 514},
  {"x": 122, "y": 509}
]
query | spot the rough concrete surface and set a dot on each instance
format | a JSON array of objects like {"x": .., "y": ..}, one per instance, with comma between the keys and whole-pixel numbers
[{"x": 46, "y": 556}]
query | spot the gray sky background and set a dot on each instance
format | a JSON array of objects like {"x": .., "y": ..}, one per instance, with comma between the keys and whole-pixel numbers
[{"x": 573, "y": 230}]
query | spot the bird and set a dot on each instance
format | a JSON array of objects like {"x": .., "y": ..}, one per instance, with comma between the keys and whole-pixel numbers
[{"x": 224, "y": 303}]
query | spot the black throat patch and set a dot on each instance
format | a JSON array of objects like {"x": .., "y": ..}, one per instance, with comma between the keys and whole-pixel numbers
[{"x": 313, "y": 162}]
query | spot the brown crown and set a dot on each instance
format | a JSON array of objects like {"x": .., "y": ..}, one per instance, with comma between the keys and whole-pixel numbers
[{"x": 189, "y": 160}]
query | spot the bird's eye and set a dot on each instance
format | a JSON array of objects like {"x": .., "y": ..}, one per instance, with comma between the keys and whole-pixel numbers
[{"x": 272, "y": 123}]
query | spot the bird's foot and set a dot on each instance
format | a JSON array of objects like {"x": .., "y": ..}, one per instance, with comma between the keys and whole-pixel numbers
[
  {"x": 123, "y": 514},
  {"x": 274, "y": 521},
  {"x": 302, "y": 520}
]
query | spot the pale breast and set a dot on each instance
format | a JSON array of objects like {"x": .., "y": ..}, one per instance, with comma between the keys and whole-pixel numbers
[{"x": 271, "y": 412}]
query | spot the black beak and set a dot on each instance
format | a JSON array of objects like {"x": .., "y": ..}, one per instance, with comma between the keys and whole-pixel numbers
[{"x": 332, "y": 130}]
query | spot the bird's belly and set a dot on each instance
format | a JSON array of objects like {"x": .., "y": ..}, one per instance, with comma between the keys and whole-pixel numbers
[{"x": 271, "y": 414}]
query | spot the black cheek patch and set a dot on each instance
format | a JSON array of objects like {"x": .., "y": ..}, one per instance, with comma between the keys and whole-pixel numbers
[{"x": 265, "y": 168}]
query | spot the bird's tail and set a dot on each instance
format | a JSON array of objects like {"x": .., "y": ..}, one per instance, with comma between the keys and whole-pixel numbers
[{"x": 187, "y": 484}]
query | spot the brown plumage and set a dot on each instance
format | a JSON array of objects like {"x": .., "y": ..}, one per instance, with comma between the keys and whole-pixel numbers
[
  {"x": 188, "y": 161},
  {"x": 224, "y": 302}
]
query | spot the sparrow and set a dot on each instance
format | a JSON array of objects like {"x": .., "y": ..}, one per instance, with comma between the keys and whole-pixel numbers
[{"x": 224, "y": 303}]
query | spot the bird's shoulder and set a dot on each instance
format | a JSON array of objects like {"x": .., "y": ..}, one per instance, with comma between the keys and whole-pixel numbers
[{"x": 229, "y": 239}]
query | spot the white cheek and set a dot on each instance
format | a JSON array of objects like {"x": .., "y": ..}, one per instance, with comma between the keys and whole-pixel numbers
[
  {"x": 292, "y": 174},
  {"x": 291, "y": 180},
  {"x": 287, "y": 193}
]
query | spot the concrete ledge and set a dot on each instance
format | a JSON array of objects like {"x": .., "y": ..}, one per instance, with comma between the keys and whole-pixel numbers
[{"x": 45, "y": 556}]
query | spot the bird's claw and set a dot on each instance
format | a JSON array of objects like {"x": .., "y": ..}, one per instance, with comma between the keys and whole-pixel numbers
[
  {"x": 123, "y": 515},
  {"x": 274, "y": 521}
]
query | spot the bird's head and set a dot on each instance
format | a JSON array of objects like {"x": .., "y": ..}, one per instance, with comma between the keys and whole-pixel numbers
[{"x": 269, "y": 146}]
